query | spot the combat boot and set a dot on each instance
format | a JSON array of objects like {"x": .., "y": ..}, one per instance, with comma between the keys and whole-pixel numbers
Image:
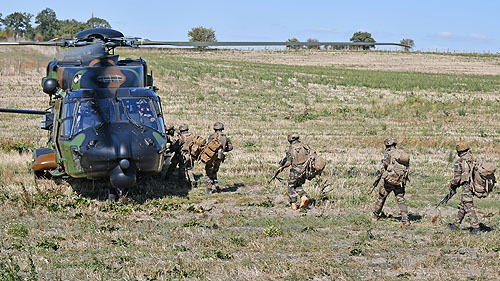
[
  {"x": 475, "y": 231},
  {"x": 216, "y": 186},
  {"x": 294, "y": 206},
  {"x": 304, "y": 200},
  {"x": 453, "y": 226},
  {"x": 209, "y": 191}
]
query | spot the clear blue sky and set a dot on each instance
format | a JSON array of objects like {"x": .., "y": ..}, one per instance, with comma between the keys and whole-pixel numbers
[{"x": 442, "y": 25}]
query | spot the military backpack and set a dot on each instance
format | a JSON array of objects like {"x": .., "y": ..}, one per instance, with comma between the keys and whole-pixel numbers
[
  {"x": 316, "y": 165},
  {"x": 482, "y": 178},
  {"x": 210, "y": 151},
  {"x": 397, "y": 171},
  {"x": 195, "y": 146}
]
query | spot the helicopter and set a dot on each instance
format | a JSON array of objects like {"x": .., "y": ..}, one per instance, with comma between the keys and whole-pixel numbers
[{"x": 105, "y": 119}]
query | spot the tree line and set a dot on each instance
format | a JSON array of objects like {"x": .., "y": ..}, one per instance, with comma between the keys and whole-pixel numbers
[
  {"x": 204, "y": 34},
  {"x": 19, "y": 25}
]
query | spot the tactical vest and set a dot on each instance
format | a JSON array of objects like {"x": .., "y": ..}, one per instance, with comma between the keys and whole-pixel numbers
[{"x": 466, "y": 165}]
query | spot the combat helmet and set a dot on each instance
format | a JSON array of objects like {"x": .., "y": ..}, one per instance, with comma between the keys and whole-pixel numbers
[
  {"x": 218, "y": 126},
  {"x": 390, "y": 141},
  {"x": 184, "y": 127},
  {"x": 462, "y": 146},
  {"x": 293, "y": 137}
]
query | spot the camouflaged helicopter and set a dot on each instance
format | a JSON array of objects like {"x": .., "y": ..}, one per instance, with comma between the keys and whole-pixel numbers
[{"x": 105, "y": 120}]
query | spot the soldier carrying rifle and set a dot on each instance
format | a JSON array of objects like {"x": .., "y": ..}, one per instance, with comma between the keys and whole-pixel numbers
[
  {"x": 476, "y": 178},
  {"x": 394, "y": 172},
  {"x": 304, "y": 164}
]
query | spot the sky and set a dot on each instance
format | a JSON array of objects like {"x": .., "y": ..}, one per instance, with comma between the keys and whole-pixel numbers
[{"x": 439, "y": 25}]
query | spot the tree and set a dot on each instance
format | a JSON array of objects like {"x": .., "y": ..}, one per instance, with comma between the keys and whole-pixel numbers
[
  {"x": 20, "y": 23},
  {"x": 362, "y": 36},
  {"x": 95, "y": 22},
  {"x": 313, "y": 46},
  {"x": 293, "y": 47},
  {"x": 202, "y": 34},
  {"x": 47, "y": 22},
  {"x": 409, "y": 44},
  {"x": 69, "y": 28}
]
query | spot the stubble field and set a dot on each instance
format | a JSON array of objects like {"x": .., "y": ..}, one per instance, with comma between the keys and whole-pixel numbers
[{"x": 343, "y": 104}]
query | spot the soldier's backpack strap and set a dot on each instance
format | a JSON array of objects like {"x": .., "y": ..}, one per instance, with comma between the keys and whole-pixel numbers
[{"x": 467, "y": 170}]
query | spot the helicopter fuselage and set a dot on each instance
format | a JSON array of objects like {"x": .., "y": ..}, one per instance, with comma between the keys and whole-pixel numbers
[{"x": 108, "y": 121}]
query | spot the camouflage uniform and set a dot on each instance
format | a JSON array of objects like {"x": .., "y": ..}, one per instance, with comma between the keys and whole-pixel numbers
[
  {"x": 461, "y": 178},
  {"x": 212, "y": 166},
  {"x": 185, "y": 139},
  {"x": 173, "y": 139},
  {"x": 296, "y": 157},
  {"x": 386, "y": 189}
]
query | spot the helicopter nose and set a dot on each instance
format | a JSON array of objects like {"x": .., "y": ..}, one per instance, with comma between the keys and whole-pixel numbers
[{"x": 124, "y": 164}]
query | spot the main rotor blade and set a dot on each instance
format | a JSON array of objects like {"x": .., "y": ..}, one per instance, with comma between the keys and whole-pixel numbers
[
  {"x": 23, "y": 111},
  {"x": 226, "y": 44},
  {"x": 35, "y": 43}
]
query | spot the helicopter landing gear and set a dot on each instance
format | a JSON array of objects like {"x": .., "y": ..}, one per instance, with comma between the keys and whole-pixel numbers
[
  {"x": 42, "y": 175},
  {"x": 114, "y": 194}
]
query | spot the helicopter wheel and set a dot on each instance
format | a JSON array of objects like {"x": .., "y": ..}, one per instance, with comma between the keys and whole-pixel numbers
[{"x": 114, "y": 194}]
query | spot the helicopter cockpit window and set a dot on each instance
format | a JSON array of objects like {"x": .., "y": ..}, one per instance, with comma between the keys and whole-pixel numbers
[
  {"x": 67, "y": 118},
  {"x": 139, "y": 110},
  {"x": 92, "y": 113},
  {"x": 160, "y": 117}
]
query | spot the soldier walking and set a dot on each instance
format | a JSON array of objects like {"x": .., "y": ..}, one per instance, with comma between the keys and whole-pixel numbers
[
  {"x": 212, "y": 165},
  {"x": 461, "y": 177},
  {"x": 173, "y": 139},
  {"x": 185, "y": 140},
  {"x": 394, "y": 171},
  {"x": 297, "y": 157}
]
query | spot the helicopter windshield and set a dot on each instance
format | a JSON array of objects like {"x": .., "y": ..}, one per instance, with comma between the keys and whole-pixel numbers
[
  {"x": 92, "y": 113},
  {"x": 140, "y": 111}
]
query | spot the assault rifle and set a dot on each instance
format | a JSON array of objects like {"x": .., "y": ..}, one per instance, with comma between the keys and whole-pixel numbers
[
  {"x": 281, "y": 163},
  {"x": 377, "y": 180},
  {"x": 447, "y": 197}
]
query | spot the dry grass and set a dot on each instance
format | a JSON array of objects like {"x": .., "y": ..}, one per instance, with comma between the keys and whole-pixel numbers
[{"x": 163, "y": 231}]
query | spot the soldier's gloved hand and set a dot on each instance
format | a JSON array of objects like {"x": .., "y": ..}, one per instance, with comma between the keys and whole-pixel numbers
[{"x": 449, "y": 184}]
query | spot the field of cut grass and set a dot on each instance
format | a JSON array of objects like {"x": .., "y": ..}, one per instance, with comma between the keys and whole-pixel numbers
[{"x": 165, "y": 231}]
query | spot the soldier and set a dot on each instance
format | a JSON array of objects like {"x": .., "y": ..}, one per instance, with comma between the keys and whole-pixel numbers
[
  {"x": 296, "y": 157},
  {"x": 461, "y": 176},
  {"x": 174, "y": 148},
  {"x": 387, "y": 172},
  {"x": 212, "y": 166},
  {"x": 185, "y": 139}
]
